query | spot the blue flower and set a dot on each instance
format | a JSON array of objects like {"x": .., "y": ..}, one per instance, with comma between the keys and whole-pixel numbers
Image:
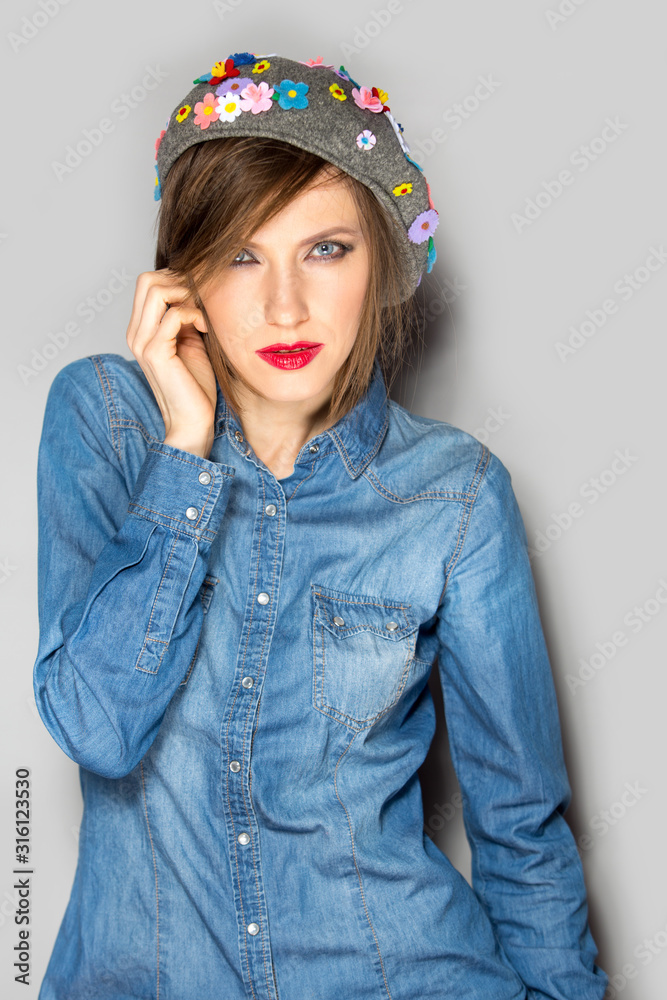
[
  {"x": 413, "y": 161},
  {"x": 157, "y": 193},
  {"x": 292, "y": 95},
  {"x": 432, "y": 255},
  {"x": 203, "y": 79},
  {"x": 241, "y": 58}
]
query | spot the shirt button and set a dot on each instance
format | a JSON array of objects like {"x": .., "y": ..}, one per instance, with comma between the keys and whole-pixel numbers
[
  {"x": 392, "y": 626},
  {"x": 238, "y": 435},
  {"x": 192, "y": 513},
  {"x": 204, "y": 478},
  {"x": 234, "y": 766},
  {"x": 243, "y": 838},
  {"x": 253, "y": 928},
  {"x": 313, "y": 448},
  {"x": 263, "y": 598},
  {"x": 247, "y": 682},
  {"x": 338, "y": 621},
  {"x": 270, "y": 509}
]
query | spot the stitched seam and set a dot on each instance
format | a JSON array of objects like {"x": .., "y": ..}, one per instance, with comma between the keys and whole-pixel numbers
[
  {"x": 380, "y": 488},
  {"x": 479, "y": 472},
  {"x": 108, "y": 401},
  {"x": 157, "y": 897},
  {"x": 147, "y": 637},
  {"x": 354, "y": 858}
]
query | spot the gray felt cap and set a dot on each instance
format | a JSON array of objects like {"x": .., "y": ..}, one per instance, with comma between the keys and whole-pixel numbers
[{"x": 320, "y": 109}]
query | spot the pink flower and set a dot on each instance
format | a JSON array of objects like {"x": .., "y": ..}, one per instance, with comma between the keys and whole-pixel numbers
[
  {"x": 256, "y": 98},
  {"x": 314, "y": 62},
  {"x": 159, "y": 140},
  {"x": 205, "y": 112},
  {"x": 364, "y": 99}
]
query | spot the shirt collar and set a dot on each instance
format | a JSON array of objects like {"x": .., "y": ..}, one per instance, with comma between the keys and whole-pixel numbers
[{"x": 357, "y": 435}]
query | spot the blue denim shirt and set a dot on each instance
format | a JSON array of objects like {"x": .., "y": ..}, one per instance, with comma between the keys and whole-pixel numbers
[{"x": 239, "y": 665}]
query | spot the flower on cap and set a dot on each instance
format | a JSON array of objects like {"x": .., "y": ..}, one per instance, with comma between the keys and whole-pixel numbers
[
  {"x": 205, "y": 78},
  {"x": 432, "y": 255},
  {"x": 205, "y": 111},
  {"x": 366, "y": 140},
  {"x": 292, "y": 95},
  {"x": 382, "y": 94},
  {"x": 256, "y": 98},
  {"x": 414, "y": 162},
  {"x": 229, "y": 107},
  {"x": 241, "y": 58},
  {"x": 183, "y": 113},
  {"x": 314, "y": 62},
  {"x": 345, "y": 75},
  {"x": 405, "y": 188},
  {"x": 232, "y": 86},
  {"x": 221, "y": 70},
  {"x": 338, "y": 92},
  {"x": 428, "y": 191},
  {"x": 159, "y": 140},
  {"x": 157, "y": 193},
  {"x": 423, "y": 226},
  {"x": 365, "y": 98},
  {"x": 261, "y": 66},
  {"x": 398, "y": 129}
]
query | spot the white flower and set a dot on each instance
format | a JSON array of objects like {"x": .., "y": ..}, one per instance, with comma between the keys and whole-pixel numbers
[
  {"x": 397, "y": 130},
  {"x": 229, "y": 107}
]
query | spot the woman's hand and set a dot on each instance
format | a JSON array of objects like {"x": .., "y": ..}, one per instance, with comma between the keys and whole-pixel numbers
[{"x": 164, "y": 334}]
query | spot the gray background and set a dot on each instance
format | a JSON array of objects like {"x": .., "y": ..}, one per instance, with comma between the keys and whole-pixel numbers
[{"x": 498, "y": 303}]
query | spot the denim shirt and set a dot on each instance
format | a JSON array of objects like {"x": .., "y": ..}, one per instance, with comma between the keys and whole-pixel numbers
[{"x": 239, "y": 666}]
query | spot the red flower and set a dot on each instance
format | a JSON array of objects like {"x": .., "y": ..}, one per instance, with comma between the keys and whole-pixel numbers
[
  {"x": 222, "y": 71},
  {"x": 376, "y": 93}
]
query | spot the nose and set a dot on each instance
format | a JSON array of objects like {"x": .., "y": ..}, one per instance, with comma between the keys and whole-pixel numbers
[{"x": 285, "y": 300}]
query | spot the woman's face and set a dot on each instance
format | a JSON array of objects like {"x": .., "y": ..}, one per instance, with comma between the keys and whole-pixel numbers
[{"x": 294, "y": 282}]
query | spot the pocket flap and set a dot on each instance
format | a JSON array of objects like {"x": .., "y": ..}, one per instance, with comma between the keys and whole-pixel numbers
[{"x": 346, "y": 614}]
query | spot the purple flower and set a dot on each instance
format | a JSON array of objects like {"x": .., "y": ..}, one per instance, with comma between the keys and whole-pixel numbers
[
  {"x": 424, "y": 226},
  {"x": 235, "y": 84}
]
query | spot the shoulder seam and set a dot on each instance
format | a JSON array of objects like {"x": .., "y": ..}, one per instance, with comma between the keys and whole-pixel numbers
[
  {"x": 469, "y": 503},
  {"x": 107, "y": 393}
]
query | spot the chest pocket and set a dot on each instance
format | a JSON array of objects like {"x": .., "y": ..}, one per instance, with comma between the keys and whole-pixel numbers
[{"x": 363, "y": 647}]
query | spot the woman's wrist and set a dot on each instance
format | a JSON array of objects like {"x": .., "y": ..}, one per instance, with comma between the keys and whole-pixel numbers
[{"x": 196, "y": 446}]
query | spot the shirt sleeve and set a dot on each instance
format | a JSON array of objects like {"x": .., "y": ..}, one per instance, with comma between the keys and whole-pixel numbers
[
  {"x": 119, "y": 573},
  {"x": 506, "y": 747}
]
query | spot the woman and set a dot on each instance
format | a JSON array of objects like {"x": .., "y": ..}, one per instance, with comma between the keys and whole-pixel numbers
[{"x": 250, "y": 558}]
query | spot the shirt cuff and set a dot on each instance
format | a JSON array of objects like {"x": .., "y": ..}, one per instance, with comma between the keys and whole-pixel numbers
[{"x": 181, "y": 491}]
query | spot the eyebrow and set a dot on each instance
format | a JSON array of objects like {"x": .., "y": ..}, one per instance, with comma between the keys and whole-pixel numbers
[{"x": 318, "y": 237}]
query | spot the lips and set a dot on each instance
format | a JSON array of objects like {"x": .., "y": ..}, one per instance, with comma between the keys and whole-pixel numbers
[{"x": 298, "y": 345}]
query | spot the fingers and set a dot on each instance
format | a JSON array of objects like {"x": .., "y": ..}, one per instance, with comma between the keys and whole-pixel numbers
[{"x": 159, "y": 294}]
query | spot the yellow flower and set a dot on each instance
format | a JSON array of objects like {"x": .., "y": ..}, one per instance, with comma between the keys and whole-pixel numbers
[
  {"x": 218, "y": 69},
  {"x": 183, "y": 113},
  {"x": 383, "y": 95},
  {"x": 403, "y": 189},
  {"x": 261, "y": 66},
  {"x": 337, "y": 92}
]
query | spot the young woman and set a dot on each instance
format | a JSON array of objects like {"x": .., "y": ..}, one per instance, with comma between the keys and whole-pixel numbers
[{"x": 249, "y": 559}]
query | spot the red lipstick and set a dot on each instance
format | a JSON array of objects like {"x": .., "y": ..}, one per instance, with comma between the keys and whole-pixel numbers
[{"x": 290, "y": 357}]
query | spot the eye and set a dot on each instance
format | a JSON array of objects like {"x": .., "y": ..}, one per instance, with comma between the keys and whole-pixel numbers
[
  {"x": 332, "y": 256},
  {"x": 236, "y": 260}
]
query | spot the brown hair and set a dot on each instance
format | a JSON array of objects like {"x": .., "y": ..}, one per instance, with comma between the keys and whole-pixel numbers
[{"x": 219, "y": 192}]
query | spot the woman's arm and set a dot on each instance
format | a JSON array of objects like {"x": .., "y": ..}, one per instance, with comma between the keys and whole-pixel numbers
[
  {"x": 505, "y": 739},
  {"x": 119, "y": 576}
]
